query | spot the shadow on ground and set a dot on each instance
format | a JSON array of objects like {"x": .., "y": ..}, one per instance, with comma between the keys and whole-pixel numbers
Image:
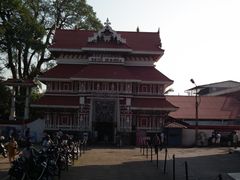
[{"x": 200, "y": 168}]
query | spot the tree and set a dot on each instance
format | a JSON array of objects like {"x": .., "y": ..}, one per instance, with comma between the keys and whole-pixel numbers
[
  {"x": 20, "y": 34},
  {"x": 27, "y": 28},
  {"x": 26, "y": 31}
]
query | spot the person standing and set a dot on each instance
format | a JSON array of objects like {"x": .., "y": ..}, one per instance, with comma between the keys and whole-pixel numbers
[
  {"x": 218, "y": 139},
  {"x": 12, "y": 149},
  {"x": 156, "y": 142},
  {"x": 162, "y": 139},
  {"x": 235, "y": 140}
]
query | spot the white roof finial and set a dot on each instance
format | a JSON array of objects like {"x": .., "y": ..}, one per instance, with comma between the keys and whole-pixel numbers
[{"x": 107, "y": 23}]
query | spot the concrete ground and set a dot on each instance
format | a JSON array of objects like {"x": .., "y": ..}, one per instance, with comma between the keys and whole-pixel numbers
[{"x": 129, "y": 163}]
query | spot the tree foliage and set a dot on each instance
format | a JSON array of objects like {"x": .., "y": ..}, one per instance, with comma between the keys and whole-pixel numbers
[{"x": 27, "y": 28}]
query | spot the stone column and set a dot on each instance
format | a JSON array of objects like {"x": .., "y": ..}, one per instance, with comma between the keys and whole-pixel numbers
[
  {"x": 13, "y": 112},
  {"x": 26, "y": 108}
]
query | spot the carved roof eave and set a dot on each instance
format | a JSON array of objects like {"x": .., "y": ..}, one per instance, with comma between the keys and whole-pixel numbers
[
  {"x": 43, "y": 79},
  {"x": 53, "y": 106},
  {"x": 154, "y": 109},
  {"x": 160, "y": 52},
  {"x": 114, "y": 34}
]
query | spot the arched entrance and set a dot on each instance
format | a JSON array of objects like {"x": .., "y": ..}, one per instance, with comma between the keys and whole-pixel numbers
[{"x": 104, "y": 121}]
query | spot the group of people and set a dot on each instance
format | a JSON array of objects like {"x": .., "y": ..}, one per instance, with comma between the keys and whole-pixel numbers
[
  {"x": 12, "y": 146},
  {"x": 157, "y": 141},
  {"x": 12, "y": 140},
  {"x": 217, "y": 139}
]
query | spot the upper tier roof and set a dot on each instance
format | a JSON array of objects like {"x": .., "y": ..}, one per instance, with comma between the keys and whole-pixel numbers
[
  {"x": 49, "y": 101},
  {"x": 78, "y": 40},
  {"x": 99, "y": 71}
]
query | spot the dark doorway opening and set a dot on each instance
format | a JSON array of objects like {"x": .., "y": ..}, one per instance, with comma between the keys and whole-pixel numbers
[
  {"x": 105, "y": 132},
  {"x": 104, "y": 121}
]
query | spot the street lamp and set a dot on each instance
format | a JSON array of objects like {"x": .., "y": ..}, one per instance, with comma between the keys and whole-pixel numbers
[{"x": 196, "y": 112}]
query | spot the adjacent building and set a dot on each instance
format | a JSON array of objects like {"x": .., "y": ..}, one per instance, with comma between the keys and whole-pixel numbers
[{"x": 218, "y": 111}]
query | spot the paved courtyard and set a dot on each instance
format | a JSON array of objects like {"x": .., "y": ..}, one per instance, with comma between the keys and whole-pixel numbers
[{"x": 130, "y": 163}]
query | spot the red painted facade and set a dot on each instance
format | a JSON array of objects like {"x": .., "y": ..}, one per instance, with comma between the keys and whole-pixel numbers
[{"x": 105, "y": 83}]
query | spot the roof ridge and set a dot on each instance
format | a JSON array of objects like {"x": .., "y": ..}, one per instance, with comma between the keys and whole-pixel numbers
[{"x": 149, "y": 32}]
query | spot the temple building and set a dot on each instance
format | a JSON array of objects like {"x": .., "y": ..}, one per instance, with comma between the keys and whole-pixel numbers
[{"x": 105, "y": 83}]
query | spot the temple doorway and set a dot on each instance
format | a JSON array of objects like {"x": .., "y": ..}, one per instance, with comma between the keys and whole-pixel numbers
[{"x": 104, "y": 121}]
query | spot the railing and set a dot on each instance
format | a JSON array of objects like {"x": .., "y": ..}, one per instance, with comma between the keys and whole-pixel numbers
[
  {"x": 153, "y": 129},
  {"x": 66, "y": 127}
]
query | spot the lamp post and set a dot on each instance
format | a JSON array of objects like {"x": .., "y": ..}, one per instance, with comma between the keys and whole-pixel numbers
[{"x": 196, "y": 112}]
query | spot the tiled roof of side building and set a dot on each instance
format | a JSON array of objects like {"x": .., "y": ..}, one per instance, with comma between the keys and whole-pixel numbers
[
  {"x": 77, "y": 39},
  {"x": 210, "y": 107}
]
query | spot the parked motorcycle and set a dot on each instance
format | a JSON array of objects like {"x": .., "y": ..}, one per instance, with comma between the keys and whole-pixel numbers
[{"x": 3, "y": 150}]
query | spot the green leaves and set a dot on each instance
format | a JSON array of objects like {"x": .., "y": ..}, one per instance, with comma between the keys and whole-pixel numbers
[{"x": 27, "y": 29}]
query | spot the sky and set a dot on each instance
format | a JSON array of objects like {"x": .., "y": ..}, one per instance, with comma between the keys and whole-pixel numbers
[{"x": 200, "y": 37}]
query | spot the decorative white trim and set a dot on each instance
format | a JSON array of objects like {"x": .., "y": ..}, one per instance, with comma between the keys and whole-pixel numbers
[
  {"x": 65, "y": 50},
  {"x": 61, "y": 95},
  {"x": 54, "y": 79},
  {"x": 85, "y": 61},
  {"x": 161, "y": 109},
  {"x": 109, "y": 63},
  {"x": 106, "y": 80},
  {"x": 54, "y": 106},
  {"x": 139, "y": 63},
  {"x": 106, "y": 60},
  {"x": 149, "y": 97},
  {"x": 149, "y": 52},
  {"x": 72, "y": 61},
  {"x": 156, "y": 82},
  {"x": 106, "y": 49}
]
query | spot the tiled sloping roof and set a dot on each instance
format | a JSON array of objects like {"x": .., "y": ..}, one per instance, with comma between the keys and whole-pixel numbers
[
  {"x": 147, "y": 73},
  {"x": 100, "y": 71},
  {"x": 72, "y": 39},
  {"x": 77, "y": 39},
  {"x": 152, "y": 103},
  {"x": 67, "y": 101},
  {"x": 63, "y": 71},
  {"x": 142, "y": 41},
  {"x": 211, "y": 107}
]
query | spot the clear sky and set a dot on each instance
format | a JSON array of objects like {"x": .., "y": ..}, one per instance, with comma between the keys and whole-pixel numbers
[{"x": 201, "y": 38}]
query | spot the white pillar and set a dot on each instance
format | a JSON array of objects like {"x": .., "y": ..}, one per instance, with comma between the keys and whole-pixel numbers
[
  {"x": 13, "y": 112},
  {"x": 26, "y": 108}
]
